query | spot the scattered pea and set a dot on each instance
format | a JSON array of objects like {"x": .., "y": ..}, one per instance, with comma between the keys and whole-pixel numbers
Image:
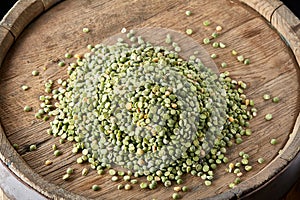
[
  {"x": 114, "y": 178},
  {"x": 68, "y": 55},
  {"x": 27, "y": 108},
  {"x": 185, "y": 189},
  {"x": 70, "y": 171},
  {"x": 219, "y": 28},
  {"x": 127, "y": 187},
  {"x": 215, "y": 44},
  {"x": 223, "y": 64},
  {"x": 248, "y": 168},
  {"x": 214, "y": 35},
  {"x": 57, "y": 153},
  {"x": 213, "y": 56},
  {"x": 95, "y": 187},
  {"x": 268, "y": 117},
  {"x": 247, "y": 61},
  {"x": 240, "y": 58},
  {"x": 120, "y": 186},
  {"x": 206, "y": 40},
  {"x": 206, "y": 23},
  {"x": 32, "y": 147},
  {"x": 84, "y": 171},
  {"x": 261, "y": 160},
  {"x": 273, "y": 141},
  {"x": 207, "y": 183},
  {"x": 275, "y": 99},
  {"x": 176, "y": 195},
  {"x": 61, "y": 63},
  {"x": 66, "y": 177},
  {"x": 266, "y": 96},
  {"x": 234, "y": 52},
  {"x": 35, "y": 73},
  {"x": 189, "y": 31},
  {"x": 222, "y": 45},
  {"x": 188, "y": 13},
  {"x": 143, "y": 185},
  {"x": 25, "y": 87},
  {"x": 48, "y": 162},
  {"x": 85, "y": 30}
]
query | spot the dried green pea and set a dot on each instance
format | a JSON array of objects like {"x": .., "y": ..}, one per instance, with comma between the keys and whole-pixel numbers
[
  {"x": 261, "y": 160},
  {"x": 84, "y": 171},
  {"x": 206, "y": 40},
  {"x": 127, "y": 187},
  {"x": 268, "y": 117},
  {"x": 57, "y": 153},
  {"x": 184, "y": 188},
  {"x": 275, "y": 99},
  {"x": 266, "y": 96},
  {"x": 223, "y": 64},
  {"x": 66, "y": 177},
  {"x": 215, "y": 44},
  {"x": 68, "y": 55},
  {"x": 247, "y": 61},
  {"x": 61, "y": 64},
  {"x": 273, "y": 141},
  {"x": 222, "y": 45},
  {"x": 206, "y": 23},
  {"x": 48, "y": 162},
  {"x": 85, "y": 30},
  {"x": 25, "y": 87},
  {"x": 176, "y": 195},
  {"x": 114, "y": 178},
  {"x": 234, "y": 52},
  {"x": 188, "y": 13},
  {"x": 189, "y": 31},
  {"x": 32, "y": 147},
  {"x": 240, "y": 58},
  {"x": 95, "y": 187},
  {"x": 248, "y": 168},
  {"x": 143, "y": 185},
  {"x": 213, "y": 56},
  {"x": 70, "y": 170},
  {"x": 120, "y": 186},
  {"x": 27, "y": 108},
  {"x": 35, "y": 73}
]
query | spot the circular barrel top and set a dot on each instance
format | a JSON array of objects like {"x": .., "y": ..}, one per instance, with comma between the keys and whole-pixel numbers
[{"x": 35, "y": 34}]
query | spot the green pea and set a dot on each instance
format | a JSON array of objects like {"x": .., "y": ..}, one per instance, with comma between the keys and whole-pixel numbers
[
  {"x": 188, "y": 13},
  {"x": 96, "y": 187},
  {"x": 268, "y": 117},
  {"x": 35, "y": 73},
  {"x": 27, "y": 109},
  {"x": 32, "y": 147},
  {"x": 57, "y": 153},
  {"x": 273, "y": 141},
  {"x": 206, "y": 23}
]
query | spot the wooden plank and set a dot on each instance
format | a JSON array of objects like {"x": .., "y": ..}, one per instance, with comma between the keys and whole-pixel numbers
[
  {"x": 49, "y": 3},
  {"x": 6, "y": 40},
  {"x": 265, "y": 8},
  {"x": 289, "y": 27},
  {"x": 23, "y": 12},
  {"x": 273, "y": 70}
]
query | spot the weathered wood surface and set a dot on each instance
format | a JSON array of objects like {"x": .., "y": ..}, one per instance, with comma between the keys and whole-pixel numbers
[{"x": 273, "y": 70}]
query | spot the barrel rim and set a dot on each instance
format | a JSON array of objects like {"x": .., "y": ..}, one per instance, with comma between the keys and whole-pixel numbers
[{"x": 274, "y": 11}]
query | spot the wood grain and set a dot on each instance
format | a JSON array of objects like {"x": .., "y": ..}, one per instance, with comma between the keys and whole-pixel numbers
[
  {"x": 6, "y": 40},
  {"x": 273, "y": 70},
  {"x": 265, "y": 8}
]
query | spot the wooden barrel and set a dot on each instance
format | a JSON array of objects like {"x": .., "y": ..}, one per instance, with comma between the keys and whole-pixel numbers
[{"x": 37, "y": 33}]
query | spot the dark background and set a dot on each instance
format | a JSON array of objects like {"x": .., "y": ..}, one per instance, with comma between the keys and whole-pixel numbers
[{"x": 294, "y": 6}]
